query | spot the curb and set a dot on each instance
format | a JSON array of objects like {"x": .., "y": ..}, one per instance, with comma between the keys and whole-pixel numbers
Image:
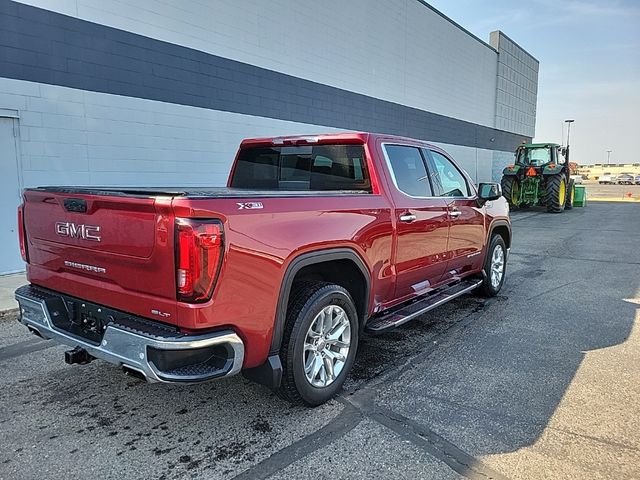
[
  {"x": 604, "y": 199},
  {"x": 8, "y": 312}
]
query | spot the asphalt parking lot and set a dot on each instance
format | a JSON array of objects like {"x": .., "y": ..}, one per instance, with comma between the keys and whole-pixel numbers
[{"x": 540, "y": 382}]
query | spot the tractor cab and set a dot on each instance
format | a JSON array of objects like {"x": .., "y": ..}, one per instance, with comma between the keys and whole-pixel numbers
[{"x": 539, "y": 154}]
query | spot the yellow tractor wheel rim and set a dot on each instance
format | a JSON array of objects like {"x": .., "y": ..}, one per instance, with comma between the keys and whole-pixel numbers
[
  {"x": 515, "y": 192},
  {"x": 562, "y": 192}
]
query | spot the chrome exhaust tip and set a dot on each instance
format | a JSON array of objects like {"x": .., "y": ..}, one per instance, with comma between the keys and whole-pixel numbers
[
  {"x": 36, "y": 332},
  {"x": 134, "y": 372}
]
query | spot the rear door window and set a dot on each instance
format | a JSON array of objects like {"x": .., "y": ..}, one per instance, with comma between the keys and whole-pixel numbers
[{"x": 409, "y": 171}]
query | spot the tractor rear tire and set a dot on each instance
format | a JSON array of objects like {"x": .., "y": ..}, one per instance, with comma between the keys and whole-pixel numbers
[
  {"x": 510, "y": 189},
  {"x": 556, "y": 193},
  {"x": 571, "y": 192}
]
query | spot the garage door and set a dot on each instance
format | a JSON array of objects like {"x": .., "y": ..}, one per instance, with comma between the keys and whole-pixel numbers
[{"x": 10, "y": 260}]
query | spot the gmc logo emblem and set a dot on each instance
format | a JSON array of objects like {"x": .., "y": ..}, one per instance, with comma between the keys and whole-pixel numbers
[{"x": 86, "y": 232}]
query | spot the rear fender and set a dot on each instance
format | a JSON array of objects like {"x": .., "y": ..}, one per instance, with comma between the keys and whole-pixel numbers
[
  {"x": 270, "y": 372},
  {"x": 553, "y": 170},
  {"x": 511, "y": 170},
  {"x": 311, "y": 258}
]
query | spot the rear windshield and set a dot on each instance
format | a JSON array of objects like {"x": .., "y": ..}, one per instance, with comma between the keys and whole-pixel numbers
[
  {"x": 320, "y": 167},
  {"x": 534, "y": 156}
]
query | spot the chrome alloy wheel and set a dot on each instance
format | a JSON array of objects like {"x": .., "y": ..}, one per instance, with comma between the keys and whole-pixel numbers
[
  {"x": 326, "y": 346},
  {"x": 497, "y": 266}
]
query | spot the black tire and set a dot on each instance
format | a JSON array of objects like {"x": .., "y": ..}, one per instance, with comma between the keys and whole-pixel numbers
[
  {"x": 487, "y": 288},
  {"x": 307, "y": 301},
  {"x": 508, "y": 189},
  {"x": 571, "y": 192},
  {"x": 553, "y": 200}
]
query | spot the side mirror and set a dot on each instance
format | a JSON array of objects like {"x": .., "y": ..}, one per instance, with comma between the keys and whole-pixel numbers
[{"x": 489, "y": 191}]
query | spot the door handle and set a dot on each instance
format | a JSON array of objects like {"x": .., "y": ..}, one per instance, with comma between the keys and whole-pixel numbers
[
  {"x": 407, "y": 217},
  {"x": 455, "y": 213}
]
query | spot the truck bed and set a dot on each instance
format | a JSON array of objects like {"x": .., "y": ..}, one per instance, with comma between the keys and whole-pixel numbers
[{"x": 193, "y": 192}]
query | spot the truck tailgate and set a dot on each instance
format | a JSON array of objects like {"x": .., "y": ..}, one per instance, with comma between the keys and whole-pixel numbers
[{"x": 103, "y": 248}]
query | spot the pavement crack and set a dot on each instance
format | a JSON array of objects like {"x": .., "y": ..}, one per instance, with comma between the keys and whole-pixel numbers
[
  {"x": 553, "y": 289},
  {"x": 525, "y": 217},
  {"x": 595, "y": 439},
  {"x": 426, "y": 439},
  {"x": 346, "y": 421},
  {"x": 596, "y": 260},
  {"x": 24, "y": 347}
]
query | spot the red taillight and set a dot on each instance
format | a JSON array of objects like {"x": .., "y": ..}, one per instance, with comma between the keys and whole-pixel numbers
[
  {"x": 198, "y": 256},
  {"x": 21, "y": 235}
]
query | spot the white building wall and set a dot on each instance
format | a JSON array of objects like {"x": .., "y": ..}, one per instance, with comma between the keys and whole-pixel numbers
[
  {"x": 76, "y": 137},
  {"x": 396, "y": 50}
]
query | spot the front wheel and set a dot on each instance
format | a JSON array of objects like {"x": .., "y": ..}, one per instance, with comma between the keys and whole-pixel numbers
[
  {"x": 319, "y": 344},
  {"x": 495, "y": 264}
]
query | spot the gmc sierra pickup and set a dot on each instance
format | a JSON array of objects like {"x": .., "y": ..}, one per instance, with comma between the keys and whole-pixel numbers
[{"x": 314, "y": 241}]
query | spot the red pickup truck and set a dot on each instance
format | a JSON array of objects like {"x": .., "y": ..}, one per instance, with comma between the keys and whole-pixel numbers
[{"x": 313, "y": 241}]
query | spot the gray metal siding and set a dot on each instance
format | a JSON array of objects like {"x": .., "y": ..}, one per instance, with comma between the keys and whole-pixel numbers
[{"x": 38, "y": 45}]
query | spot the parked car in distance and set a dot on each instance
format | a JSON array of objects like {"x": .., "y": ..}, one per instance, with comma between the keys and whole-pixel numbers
[
  {"x": 625, "y": 179},
  {"x": 577, "y": 179},
  {"x": 314, "y": 241},
  {"x": 637, "y": 180},
  {"x": 606, "y": 179}
]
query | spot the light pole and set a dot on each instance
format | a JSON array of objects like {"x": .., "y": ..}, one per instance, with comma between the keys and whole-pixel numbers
[
  {"x": 566, "y": 150},
  {"x": 568, "y": 122},
  {"x": 608, "y": 155}
]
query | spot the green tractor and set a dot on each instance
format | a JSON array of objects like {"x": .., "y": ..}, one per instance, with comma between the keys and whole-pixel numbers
[{"x": 540, "y": 176}]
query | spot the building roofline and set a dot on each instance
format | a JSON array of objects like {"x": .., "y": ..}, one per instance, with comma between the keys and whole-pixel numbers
[
  {"x": 455, "y": 24},
  {"x": 516, "y": 44}
]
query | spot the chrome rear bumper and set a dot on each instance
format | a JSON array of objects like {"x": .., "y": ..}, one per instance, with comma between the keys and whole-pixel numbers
[{"x": 156, "y": 356}]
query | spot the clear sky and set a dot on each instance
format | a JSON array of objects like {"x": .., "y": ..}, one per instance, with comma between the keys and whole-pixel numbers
[{"x": 589, "y": 53}]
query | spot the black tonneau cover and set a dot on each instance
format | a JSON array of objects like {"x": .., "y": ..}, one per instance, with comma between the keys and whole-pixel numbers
[{"x": 194, "y": 192}]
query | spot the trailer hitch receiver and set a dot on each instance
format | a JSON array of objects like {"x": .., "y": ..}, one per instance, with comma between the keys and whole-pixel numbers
[{"x": 78, "y": 355}]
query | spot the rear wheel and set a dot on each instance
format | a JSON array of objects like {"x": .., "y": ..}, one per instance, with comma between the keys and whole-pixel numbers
[
  {"x": 319, "y": 344},
  {"x": 556, "y": 193},
  {"x": 494, "y": 267},
  {"x": 511, "y": 190},
  {"x": 571, "y": 193}
]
